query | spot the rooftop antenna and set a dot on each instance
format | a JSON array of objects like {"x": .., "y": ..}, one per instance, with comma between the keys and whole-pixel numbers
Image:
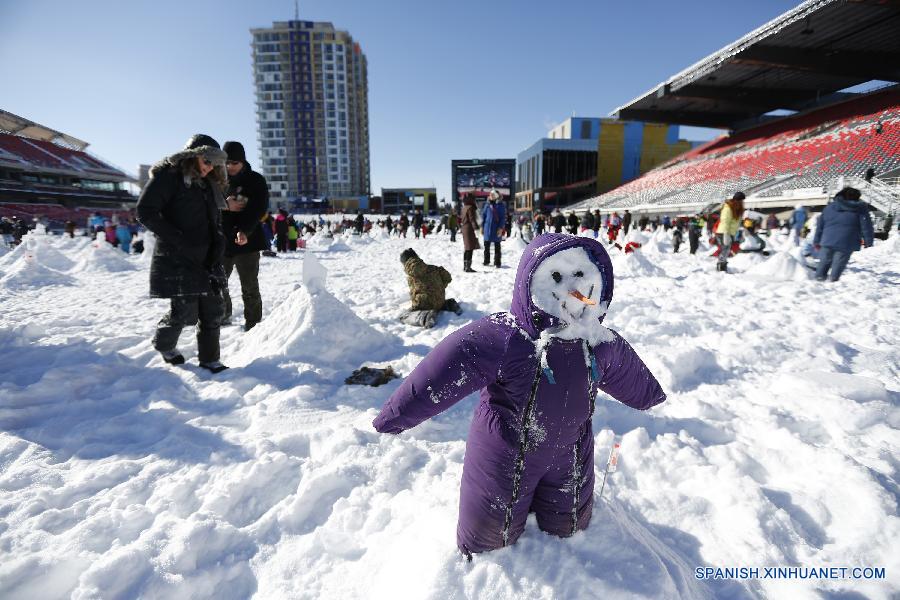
[{"x": 296, "y": 10}]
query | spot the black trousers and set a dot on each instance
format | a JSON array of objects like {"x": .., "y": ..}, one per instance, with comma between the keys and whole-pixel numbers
[
  {"x": 207, "y": 309},
  {"x": 694, "y": 240},
  {"x": 487, "y": 253},
  {"x": 247, "y": 266}
]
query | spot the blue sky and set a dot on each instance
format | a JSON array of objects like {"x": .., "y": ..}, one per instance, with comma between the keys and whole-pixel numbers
[{"x": 447, "y": 80}]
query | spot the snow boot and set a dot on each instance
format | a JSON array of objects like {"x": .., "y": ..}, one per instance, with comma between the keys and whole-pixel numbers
[
  {"x": 173, "y": 357},
  {"x": 213, "y": 366},
  {"x": 467, "y": 267}
]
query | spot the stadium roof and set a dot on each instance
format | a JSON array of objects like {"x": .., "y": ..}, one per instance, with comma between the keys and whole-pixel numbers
[
  {"x": 792, "y": 62},
  {"x": 16, "y": 125}
]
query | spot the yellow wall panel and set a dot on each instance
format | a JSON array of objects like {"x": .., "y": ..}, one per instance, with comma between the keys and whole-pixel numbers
[{"x": 610, "y": 151}]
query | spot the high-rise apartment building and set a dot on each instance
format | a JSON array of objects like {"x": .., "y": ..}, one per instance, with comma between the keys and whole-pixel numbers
[{"x": 312, "y": 111}]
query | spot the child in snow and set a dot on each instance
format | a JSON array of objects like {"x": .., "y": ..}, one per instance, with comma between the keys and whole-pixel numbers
[
  {"x": 539, "y": 368},
  {"x": 427, "y": 285},
  {"x": 677, "y": 237}
]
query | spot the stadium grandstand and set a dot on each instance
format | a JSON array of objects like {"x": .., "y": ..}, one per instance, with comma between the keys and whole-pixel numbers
[
  {"x": 47, "y": 175},
  {"x": 798, "y": 129}
]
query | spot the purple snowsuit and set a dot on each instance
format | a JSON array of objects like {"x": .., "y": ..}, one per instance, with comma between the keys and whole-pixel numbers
[{"x": 530, "y": 446}]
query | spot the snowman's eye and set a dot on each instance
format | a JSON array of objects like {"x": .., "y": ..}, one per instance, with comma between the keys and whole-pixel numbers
[
  {"x": 557, "y": 277},
  {"x": 579, "y": 273}
]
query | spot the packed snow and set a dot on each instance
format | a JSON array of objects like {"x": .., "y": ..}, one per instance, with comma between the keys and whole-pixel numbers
[{"x": 123, "y": 477}]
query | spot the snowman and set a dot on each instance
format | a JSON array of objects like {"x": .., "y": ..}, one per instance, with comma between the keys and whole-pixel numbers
[{"x": 539, "y": 368}]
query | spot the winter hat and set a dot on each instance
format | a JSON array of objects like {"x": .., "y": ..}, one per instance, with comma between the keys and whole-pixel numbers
[
  {"x": 408, "y": 254},
  {"x": 850, "y": 193},
  {"x": 235, "y": 151},
  {"x": 738, "y": 196},
  {"x": 201, "y": 144}
]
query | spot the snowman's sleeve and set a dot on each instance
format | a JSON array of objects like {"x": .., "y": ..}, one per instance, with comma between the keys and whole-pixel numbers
[
  {"x": 463, "y": 362},
  {"x": 625, "y": 377}
]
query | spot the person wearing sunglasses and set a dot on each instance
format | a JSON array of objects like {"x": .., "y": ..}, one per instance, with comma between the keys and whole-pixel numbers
[{"x": 181, "y": 205}]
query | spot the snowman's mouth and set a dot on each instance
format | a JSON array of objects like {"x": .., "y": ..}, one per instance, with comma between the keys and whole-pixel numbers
[{"x": 577, "y": 295}]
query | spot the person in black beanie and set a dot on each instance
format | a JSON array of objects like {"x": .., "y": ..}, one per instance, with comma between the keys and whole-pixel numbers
[
  {"x": 181, "y": 204},
  {"x": 247, "y": 202}
]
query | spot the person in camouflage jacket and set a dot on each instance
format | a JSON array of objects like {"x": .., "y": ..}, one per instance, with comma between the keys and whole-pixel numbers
[{"x": 427, "y": 285}]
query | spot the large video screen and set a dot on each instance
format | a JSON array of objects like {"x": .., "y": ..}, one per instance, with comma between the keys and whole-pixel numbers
[{"x": 479, "y": 178}]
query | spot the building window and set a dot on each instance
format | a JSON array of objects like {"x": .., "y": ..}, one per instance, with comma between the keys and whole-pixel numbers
[{"x": 585, "y": 130}]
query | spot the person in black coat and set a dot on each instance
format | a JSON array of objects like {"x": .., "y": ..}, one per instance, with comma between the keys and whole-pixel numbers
[
  {"x": 573, "y": 221},
  {"x": 181, "y": 204},
  {"x": 247, "y": 203},
  {"x": 404, "y": 224},
  {"x": 558, "y": 221},
  {"x": 417, "y": 221}
]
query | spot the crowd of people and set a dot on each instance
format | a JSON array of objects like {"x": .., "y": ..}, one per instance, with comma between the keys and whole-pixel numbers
[
  {"x": 209, "y": 211},
  {"x": 12, "y": 229}
]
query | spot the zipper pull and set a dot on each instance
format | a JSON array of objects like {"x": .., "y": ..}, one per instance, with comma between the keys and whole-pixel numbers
[{"x": 548, "y": 373}]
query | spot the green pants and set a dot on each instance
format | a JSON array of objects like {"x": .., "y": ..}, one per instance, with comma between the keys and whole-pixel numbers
[{"x": 247, "y": 266}]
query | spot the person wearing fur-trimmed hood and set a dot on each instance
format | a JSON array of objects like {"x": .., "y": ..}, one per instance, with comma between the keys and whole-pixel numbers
[
  {"x": 539, "y": 368},
  {"x": 181, "y": 204}
]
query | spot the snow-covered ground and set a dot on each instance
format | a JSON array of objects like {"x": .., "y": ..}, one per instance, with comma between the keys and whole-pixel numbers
[{"x": 121, "y": 477}]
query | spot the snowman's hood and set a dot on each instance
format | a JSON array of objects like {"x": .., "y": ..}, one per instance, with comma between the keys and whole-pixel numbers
[{"x": 533, "y": 319}]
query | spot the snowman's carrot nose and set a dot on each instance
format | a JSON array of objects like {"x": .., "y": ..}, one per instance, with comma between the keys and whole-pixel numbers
[{"x": 578, "y": 295}]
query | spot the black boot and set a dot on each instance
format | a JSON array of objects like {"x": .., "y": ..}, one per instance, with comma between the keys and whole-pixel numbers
[
  {"x": 213, "y": 366},
  {"x": 173, "y": 357}
]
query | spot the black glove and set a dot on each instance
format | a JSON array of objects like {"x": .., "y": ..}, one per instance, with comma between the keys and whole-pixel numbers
[{"x": 218, "y": 281}]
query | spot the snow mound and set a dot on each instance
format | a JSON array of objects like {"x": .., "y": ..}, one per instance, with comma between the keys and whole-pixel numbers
[
  {"x": 657, "y": 242},
  {"x": 316, "y": 328},
  {"x": 28, "y": 272},
  {"x": 889, "y": 247},
  {"x": 635, "y": 264},
  {"x": 377, "y": 233},
  {"x": 746, "y": 260},
  {"x": 686, "y": 370},
  {"x": 357, "y": 241},
  {"x": 39, "y": 250},
  {"x": 780, "y": 267},
  {"x": 339, "y": 245},
  {"x": 320, "y": 241},
  {"x": 635, "y": 235},
  {"x": 516, "y": 244},
  {"x": 101, "y": 256}
]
